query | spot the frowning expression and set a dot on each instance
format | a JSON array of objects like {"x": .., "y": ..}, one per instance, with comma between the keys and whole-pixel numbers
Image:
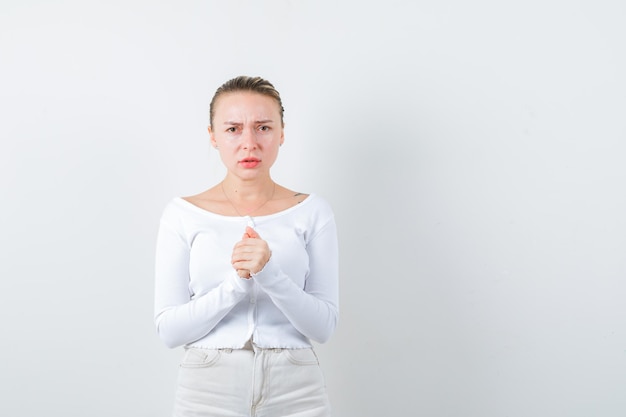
[{"x": 247, "y": 130}]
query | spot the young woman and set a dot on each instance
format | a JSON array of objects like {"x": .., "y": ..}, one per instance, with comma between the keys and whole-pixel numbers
[{"x": 246, "y": 273}]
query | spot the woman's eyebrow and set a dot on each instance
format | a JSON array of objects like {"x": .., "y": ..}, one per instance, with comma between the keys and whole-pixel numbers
[{"x": 231, "y": 123}]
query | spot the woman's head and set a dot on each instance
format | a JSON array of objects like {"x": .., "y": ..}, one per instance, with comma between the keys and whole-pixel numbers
[
  {"x": 247, "y": 126},
  {"x": 246, "y": 84}
]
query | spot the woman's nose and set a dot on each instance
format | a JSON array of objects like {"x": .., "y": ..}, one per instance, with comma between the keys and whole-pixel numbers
[{"x": 248, "y": 139}]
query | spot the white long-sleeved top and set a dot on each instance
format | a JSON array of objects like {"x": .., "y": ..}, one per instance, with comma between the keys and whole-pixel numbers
[{"x": 200, "y": 300}]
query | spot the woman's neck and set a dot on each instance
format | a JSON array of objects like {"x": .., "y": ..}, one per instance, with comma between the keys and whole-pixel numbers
[
  {"x": 247, "y": 197},
  {"x": 248, "y": 190}
]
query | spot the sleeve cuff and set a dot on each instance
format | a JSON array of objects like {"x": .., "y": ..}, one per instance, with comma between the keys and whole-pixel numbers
[
  {"x": 240, "y": 284},
  {"x": 268, "y": 274}
]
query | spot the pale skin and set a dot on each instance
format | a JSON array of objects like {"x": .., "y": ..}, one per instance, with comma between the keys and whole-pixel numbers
[{"x": 247, "y": 131}]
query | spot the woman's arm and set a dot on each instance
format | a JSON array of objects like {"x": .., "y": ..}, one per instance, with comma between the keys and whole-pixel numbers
[
  {"x": 314, "y": 310},
  {"x": 179, "y": 319}
]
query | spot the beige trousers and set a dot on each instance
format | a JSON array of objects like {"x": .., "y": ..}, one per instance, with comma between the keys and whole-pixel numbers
[{"x": 251, "y": 382}]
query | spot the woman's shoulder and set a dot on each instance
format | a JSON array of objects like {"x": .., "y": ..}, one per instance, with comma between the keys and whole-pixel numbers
[
  {"x": 211, "y": 200},
  {"x": 284, "y": 199},
  {"x": 303, "y": 202},
  {"x": 320, "y": 205},
  {"x": 175, "y": 208},
  {"x": 182, "y": 206},
  {"x": 312, "y": 207}
]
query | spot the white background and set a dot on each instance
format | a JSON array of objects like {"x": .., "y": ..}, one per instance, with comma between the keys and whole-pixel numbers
[{"x": 474, "y": 153}]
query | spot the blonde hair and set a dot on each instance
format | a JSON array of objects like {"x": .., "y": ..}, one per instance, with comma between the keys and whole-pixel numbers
[{"x": 245, "y": 83}]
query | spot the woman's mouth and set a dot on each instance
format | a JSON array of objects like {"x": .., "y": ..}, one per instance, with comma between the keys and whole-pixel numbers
[{"x": 249, "y": 162}]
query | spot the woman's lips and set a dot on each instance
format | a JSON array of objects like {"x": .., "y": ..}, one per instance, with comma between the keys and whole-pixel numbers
[{"x": 249, "y": 162}]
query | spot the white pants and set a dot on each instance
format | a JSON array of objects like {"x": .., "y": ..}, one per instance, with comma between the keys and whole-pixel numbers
[{"x": 251, "y": 383}]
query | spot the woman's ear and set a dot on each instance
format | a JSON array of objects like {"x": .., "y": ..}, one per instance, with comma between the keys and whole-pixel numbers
[
  {"x": 282, "y": 135},
  {"x": 213, "y": 142}
]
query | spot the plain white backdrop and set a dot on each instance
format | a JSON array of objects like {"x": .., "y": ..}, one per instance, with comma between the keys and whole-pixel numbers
[{"x": 473, "y": 153}]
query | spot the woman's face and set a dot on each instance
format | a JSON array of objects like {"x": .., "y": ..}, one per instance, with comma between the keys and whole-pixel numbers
[{"x": 247, "y": 130}]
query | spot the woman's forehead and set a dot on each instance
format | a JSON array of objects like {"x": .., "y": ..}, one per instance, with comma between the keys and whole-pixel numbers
[{"x": 245, "y": 101}]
